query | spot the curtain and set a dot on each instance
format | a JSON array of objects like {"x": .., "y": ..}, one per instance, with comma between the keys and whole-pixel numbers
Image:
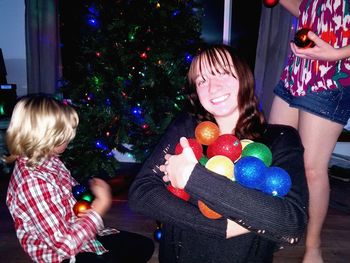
[
  {"x": 42, "y": 45},
  {"x": 277, "y": 28}
]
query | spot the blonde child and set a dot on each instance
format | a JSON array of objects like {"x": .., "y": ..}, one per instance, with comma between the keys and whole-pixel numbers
[{"x": 40, "y": 197}]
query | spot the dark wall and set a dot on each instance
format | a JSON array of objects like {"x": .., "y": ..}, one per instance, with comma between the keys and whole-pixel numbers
[
  {"x": 245, "y": 27},
  {"x": 3, "y": 72},
  {"x": 212, "y": 22}
]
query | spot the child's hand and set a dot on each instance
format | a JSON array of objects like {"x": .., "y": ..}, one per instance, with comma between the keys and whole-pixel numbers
[{"x": 103, "y": 196}]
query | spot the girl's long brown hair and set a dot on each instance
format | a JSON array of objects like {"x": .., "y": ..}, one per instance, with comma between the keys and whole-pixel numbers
[{"x": 251, "y": 121}]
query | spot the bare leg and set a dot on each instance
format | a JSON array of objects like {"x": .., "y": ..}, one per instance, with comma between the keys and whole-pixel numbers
[
  {"x": 319, "y": 137},
  {"x": 281, "y": 113}
]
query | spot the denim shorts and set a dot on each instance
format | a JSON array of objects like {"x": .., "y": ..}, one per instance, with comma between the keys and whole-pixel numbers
[{"x": 332, "y": 104}]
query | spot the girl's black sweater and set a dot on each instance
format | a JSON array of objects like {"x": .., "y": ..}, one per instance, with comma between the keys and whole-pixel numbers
[{"x": 190, "y": 237}]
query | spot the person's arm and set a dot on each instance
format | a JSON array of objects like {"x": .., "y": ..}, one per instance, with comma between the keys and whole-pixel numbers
[
  {"x": 292, "y": 6},
  {"x": 43, "y": 204},
  {"x": 149, "y": 196},
  {"x": 103, "y": 196},
  {"x": 280, "y": 219},
  {"x": 321, "y": 51}
]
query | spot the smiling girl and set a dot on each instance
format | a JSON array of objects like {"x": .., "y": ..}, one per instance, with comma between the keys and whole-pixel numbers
[{"x": 253, "y": 224}]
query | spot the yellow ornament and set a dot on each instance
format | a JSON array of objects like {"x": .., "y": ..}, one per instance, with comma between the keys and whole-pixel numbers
[
  {"x": 245, "y": 142},
  {"x": 221, "y": 165}
]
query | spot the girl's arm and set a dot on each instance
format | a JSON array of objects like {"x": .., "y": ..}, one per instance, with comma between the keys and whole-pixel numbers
[
  {"x": 282, "y": 219},
  {"x": 321, "y": 51},
  {"x": 149, "y": 195}
]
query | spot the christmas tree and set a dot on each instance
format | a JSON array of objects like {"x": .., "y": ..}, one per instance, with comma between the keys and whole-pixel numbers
[{"x": 124, "y": 70}]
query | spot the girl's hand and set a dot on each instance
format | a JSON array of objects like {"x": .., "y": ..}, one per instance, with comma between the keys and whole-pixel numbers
[
  {"x": 321, "y": 51},
  {"x": 178, "y": 168}
]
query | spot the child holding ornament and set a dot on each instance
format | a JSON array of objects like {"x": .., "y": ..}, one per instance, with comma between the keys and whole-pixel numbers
[
  {"x": 313, "y": 96},
  {"x": 251, "y": 224},
  {"x": 40, "y": 198}
]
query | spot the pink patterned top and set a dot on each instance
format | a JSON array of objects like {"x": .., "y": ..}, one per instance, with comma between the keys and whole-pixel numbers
[{"x": 329, "y": 19}]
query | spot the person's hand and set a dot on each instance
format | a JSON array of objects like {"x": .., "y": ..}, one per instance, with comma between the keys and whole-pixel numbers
[
  {"x": 178, "y": 168},
  {"x": 321, "y": 51},
  {"x": 103, "y": 196}
]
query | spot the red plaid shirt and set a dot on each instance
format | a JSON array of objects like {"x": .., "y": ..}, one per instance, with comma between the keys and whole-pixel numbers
[{"x": 41, "y": 202}]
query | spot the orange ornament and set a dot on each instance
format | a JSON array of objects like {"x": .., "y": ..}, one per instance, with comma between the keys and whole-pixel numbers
[
  {"x": 206, "y": 132},
  {"x": 80, "y": 207},
  {"x": 207, "y": 212}
]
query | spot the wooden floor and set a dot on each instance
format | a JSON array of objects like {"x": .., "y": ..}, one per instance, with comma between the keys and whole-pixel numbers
[{"x": 336, "y": 231}]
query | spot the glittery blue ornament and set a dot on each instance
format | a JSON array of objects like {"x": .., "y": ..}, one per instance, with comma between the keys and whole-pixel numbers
[
  {"x": 78, "y": 190},
  {"x": 258, "y": 150},
  {"x": 277, "y": 181},
  {"x": 249, "y": 171},
  {"x": 157, "y": 234}
]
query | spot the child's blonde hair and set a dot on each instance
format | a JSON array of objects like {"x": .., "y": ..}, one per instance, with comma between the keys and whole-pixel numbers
[{"x": 39, "y": 123}]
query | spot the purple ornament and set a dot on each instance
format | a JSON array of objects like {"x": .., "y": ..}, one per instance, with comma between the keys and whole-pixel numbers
[
  {"x": 277, "y": 181},
  {"x": 249, "y": 172}
]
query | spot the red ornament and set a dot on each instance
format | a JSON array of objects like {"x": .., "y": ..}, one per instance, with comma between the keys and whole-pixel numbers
[
  {"x": 301, "y": 39},
  {"x": 179, "y": 192},
  {"x": 207, "y": 212},
  {"x": 196, "y": 148},
  {"x": 270, "y": 3},
  {"x": 80, "y": 207},
  {"x": 227, "y": 145},
  {"x": 207, "y": 132},
  {"x": 143, "y": 55}
]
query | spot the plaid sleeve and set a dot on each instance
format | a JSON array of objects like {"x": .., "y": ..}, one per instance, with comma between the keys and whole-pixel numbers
[{"x": 50, "y": 214}]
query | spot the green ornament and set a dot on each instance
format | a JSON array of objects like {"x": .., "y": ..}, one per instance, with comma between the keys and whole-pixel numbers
[
  {"x": 203, "y": 160},
  {"x": 87, "y": 197},
  {"x": 258, "y": 150}
]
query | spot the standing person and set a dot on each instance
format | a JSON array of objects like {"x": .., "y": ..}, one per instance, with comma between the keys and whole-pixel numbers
[
  {"x": 252, "y": 222},
  {"x": 40, "y": 198},
  {"x": 313, "y": 96}
]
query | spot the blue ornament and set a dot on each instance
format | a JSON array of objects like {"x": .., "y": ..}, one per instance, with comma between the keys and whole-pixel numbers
[
  {"x": 137, "y": 111},
  {"x": 93, "y": 10},
  {"x": 277, "y": 181},
  {"x": 78, "y": 190},
  {"x": 176, "y": 12},
  {"x": 249, "y": 171},
  {"x": 157, "y": 234},
  {"x": 188, "y": 58},
  {"x": 92, "y": 21},
  {"x": 100, "y": 145}
]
